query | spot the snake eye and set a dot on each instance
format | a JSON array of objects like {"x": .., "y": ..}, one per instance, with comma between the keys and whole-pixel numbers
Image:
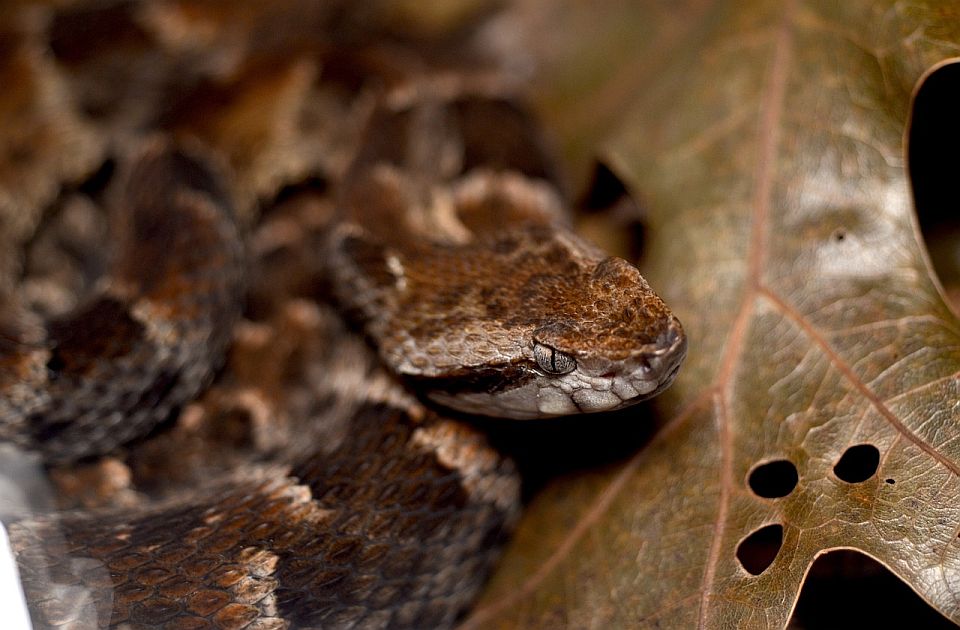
[{"x": 553, "y": 361}]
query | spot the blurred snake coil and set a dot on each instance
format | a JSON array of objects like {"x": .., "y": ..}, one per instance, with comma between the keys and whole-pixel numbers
[{"x": 261, "y": 262}]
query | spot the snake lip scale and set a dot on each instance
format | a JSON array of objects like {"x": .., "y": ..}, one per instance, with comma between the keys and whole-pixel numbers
[{"x": 469, "y": 287}]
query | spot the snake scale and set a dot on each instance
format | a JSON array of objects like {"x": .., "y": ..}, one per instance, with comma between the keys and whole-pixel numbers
[{"x": 295, "y": 380}]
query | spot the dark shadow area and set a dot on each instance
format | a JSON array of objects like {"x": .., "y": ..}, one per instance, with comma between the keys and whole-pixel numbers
[
  {"x": 605, "y": 190},
  {"x": 934, "y": 161},
  {"x": 551, "y": 447},
  {"x": 96, "y": 184},
  {"x": 846, "y": 589}
]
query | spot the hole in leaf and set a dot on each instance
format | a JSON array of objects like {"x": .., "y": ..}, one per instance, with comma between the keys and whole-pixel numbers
[
  {"x": 757, "y": 551},
  {"x": 890, "y": 481},
  {"x": 935, "y": 133},
  {"x": 858, "y": 463},
  {"x": 774, "y": 479},
  {"x": 846, "y": 589}
]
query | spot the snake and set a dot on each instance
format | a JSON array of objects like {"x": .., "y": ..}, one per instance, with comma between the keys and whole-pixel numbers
[{"x": 445, "y": 284}]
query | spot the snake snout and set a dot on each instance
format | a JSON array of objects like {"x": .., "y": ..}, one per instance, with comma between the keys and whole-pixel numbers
[
  {"x": 668, "y": 353},
  {"x": 671, "y": 340}
]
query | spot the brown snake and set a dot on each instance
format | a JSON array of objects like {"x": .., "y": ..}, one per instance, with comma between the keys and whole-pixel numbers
[{"x": 451, "y": 254}]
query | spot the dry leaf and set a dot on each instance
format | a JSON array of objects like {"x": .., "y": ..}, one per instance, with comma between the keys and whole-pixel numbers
[
  {"x": 591, "y": 64},
  {"x": 784, "y": 237}
]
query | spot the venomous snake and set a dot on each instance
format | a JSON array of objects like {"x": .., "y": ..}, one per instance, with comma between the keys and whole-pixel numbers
[{"x": 451, "y": 255}]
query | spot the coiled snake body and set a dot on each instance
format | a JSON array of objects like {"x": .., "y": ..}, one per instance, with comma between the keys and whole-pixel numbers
[{"x": 380, "y": 512}]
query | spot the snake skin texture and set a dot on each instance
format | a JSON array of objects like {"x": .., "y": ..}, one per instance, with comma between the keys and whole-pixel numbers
[
  {"x": 288, "y": 550},
  {"x": 148, "y": 341},
  {"x": 457, "y": 256},
  {"x": 263, "y": 250},
  {"x": 387, "y": 515}
]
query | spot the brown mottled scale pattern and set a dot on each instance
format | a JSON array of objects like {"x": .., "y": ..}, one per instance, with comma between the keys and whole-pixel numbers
[
  {"x": 149, "y": 339},
  {"x": 306, "y": 488},
  {"x": 379, "y": 533},
  {"x": 389, "y": 516},
  {"x": 458, "y": 260},
  {"x": 598, "y": 300},
  {"x": 42, "y": 142}
]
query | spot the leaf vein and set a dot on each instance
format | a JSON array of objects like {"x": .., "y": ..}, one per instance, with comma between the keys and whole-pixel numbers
[{"x": 856, "y": 381}]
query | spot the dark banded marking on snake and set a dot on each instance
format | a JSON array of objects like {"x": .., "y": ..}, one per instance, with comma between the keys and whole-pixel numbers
[
  {"x": 387, "y": 519},
  {"x": 150, "y": 338}
]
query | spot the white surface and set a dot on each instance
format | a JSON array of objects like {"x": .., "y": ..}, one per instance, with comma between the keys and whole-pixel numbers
[
  {"x": 23, "y": 489},
  {"x": 15, "y": 616}
]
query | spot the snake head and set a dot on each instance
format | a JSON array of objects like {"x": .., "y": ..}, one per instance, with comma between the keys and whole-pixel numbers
[
  {"x": 577, "y": 378},
  {"x": 496, "y": 307},
  {"x": 593, "y": 337},
  {"x": 626, "y": 344}
]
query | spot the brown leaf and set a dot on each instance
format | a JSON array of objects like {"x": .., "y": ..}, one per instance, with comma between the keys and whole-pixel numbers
[
  {"x": 579, "y": 88},
  {"x": 784, "y": 238}
]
